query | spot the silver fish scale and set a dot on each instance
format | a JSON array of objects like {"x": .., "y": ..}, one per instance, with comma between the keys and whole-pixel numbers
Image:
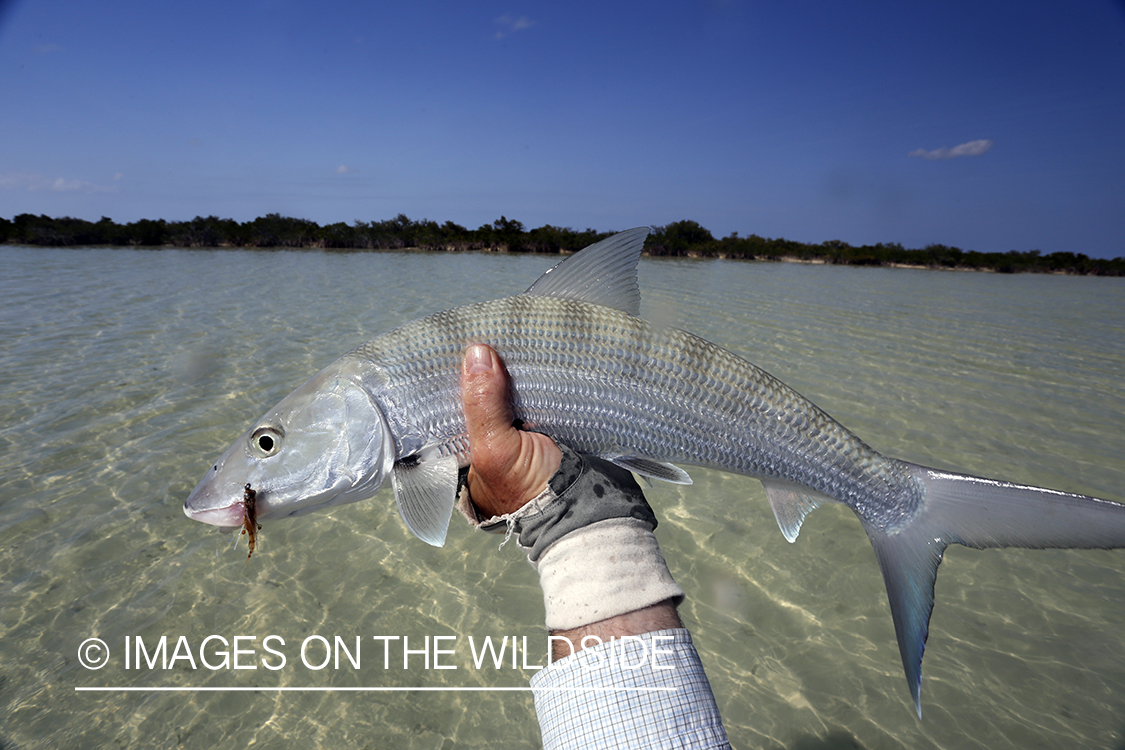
[{"x": 607, "y": 383}]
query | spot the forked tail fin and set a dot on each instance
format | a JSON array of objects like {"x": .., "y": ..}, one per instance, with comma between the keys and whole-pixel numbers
[{"x": 959, "y": 509}]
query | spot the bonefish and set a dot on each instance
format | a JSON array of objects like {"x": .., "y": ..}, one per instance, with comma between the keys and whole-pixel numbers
[{"x": 586, "y": 370}]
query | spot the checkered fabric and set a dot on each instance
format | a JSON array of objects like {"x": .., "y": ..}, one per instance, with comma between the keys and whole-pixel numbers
[{"x": 640, "y": 692}]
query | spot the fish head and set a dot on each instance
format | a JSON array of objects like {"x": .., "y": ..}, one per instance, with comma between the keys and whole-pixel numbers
[{"x": 324, "y": 444}]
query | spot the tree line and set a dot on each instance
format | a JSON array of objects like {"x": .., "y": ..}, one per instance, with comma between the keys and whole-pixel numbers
[{"x": 681, "y": 238}]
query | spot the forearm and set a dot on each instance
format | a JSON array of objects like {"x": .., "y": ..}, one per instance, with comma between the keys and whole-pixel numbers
[
  {"x": 589, "y": 532},
  {"x": 660, "y": 616},
  {"x": 624, "y": 672}
]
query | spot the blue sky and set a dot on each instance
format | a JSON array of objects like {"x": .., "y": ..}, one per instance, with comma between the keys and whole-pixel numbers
[{"x": 987, "y": 125}]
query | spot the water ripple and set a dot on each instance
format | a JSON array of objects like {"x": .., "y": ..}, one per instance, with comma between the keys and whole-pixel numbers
[{"x": 124, "y": 372}]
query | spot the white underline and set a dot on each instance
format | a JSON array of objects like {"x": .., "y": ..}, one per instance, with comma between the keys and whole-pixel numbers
[{"x": 371, "y": 689}]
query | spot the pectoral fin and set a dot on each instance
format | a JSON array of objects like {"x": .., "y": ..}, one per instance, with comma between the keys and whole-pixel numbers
[{"x": 425, "y": 490}]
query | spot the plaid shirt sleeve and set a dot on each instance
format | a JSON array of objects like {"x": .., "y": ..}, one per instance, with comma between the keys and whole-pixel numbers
[{"x": 640, "y": 691}]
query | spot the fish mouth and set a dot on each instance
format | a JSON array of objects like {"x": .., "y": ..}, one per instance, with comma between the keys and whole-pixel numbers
[
  {"x": 230, "y": 517},
  {"x": 208, "y": 505}
]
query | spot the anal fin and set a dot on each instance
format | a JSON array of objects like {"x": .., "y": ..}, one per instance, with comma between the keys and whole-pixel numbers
[{"x": 791, "y": 503}]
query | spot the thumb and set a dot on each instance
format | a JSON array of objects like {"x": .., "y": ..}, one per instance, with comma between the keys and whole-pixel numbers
[
  {"x": 486, "y": 401},
  {"x": 509, "y": 467}
]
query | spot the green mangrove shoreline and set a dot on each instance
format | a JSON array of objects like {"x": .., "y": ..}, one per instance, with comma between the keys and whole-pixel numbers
[{"x": 679, "y": 239}]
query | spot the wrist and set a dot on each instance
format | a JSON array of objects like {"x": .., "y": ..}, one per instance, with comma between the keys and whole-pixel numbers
[{"x": 659, "y": 616}]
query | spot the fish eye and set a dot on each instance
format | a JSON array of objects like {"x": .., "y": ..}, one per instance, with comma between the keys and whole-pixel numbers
[{"x": 266, "y": 441}]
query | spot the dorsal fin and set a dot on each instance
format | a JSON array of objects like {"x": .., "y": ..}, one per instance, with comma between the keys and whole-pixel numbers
[{"x": 604, "y": 273}]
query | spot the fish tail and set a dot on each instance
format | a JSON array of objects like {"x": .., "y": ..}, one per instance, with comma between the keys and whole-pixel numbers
[{"x": 980, "y": 513}]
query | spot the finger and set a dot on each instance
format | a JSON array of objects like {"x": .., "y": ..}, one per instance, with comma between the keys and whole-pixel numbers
[
  {"x": 488, "y": 411},
  {"x": 509, "y": 467}
]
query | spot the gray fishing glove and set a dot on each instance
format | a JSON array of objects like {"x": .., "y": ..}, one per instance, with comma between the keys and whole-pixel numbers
[{"x": 590, "y": 536}]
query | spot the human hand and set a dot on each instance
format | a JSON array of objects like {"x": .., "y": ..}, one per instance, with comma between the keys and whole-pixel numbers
[
  {"x": 509, "y": 466},
  {"x": 599, "y": 564}
]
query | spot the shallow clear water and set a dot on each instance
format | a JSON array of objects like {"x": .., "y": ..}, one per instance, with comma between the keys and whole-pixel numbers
[{"x": 123, "y": 373}]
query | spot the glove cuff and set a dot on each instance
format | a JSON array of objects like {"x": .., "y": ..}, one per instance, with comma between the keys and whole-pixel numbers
[
  {"x": 585, "y": 490},
  {"x": 603, "y": 570},
  {"x": 589, "y": 534}
]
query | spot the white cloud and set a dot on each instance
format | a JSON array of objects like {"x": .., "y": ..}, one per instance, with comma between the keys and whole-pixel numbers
[
  {"x": 343, "y": 169},
  {"x": 510, "y": 25},
  {"x": 63, "y": 185},
  {"x": 972, "y": 148},
  {"x": 36, "y": 182}
]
